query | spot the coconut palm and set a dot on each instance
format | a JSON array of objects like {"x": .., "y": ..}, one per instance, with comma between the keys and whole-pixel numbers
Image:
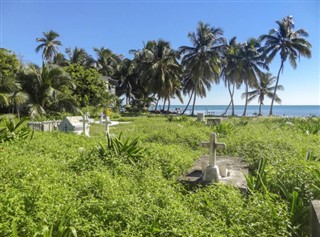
[
  {"x": 48, "y": 87},
  {"x": 264, "y": 89},
  {"x": 289, "y": 43},
  {"x": 77, "y": 56},
  {"x": 11, "y": 94},
  {"x": 201, "y": 60},
  {"x": 49, "y": 45},
  {"x": 160, "y": 70},
  {"x": 128, "y": 77},
  {"x": 230, "y": 72},
  {"x": 60, "y": 60},
  {"x": 107, "y": 62},
  {"x": 250, "y": 60}
]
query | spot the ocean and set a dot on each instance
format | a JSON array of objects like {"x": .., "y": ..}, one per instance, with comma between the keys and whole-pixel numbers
[{"x": 278, "y": 110}]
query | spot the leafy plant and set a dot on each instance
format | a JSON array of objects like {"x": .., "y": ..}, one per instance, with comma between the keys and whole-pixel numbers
[
  {"x": 298, "y": 208},
  {"x": 13, "y": 131},
  {"x": 258, "y": 182},
  {"x": 127, "y": 150},
  {"x": 224, "y": 128},
  {"x": 309, "y": 125}
]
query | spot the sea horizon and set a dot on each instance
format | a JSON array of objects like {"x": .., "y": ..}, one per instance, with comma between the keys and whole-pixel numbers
[{"x": 252, "y": 110}]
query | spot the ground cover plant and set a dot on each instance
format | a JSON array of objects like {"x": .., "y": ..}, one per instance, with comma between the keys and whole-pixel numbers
[{"x": 58, "y": 184}]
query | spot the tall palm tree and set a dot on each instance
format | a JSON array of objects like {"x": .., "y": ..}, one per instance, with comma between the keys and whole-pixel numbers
[
  {"x": 250, "y": 60},
  {"x": 230, "y": 70},
  {"x": 264, "y": 89},
  {"x": 49, "y": 45},
  {"x": 48, "y": 86},
  {"x": 128, "y": 77},
  {"x": 77, "y": 56},
  {"x": 161, "y": 70},
  {"x": 201, "y": 60},
  {"x": 107, "y": 62},
  {"x": 289, "y": 43}
]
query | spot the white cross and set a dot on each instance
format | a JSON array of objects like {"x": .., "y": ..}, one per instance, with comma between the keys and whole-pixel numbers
[{"x": 213, "y": 145}]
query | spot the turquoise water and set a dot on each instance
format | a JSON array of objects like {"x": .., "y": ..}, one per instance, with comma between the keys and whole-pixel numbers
[{"x": 278, "y": 110}]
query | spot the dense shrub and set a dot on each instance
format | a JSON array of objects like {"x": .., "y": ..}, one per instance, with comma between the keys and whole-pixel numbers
[{"x": 89, "y": 185}]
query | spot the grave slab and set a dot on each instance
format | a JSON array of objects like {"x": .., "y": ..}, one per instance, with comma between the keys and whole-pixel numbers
[{"x": 237, "y": 169}]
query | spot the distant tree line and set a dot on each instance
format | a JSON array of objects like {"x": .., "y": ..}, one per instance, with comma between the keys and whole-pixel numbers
[{"x": 71, "y": 81}]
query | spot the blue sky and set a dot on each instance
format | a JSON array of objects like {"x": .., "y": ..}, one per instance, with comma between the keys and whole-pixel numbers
[{"x": 124, "y": 25}]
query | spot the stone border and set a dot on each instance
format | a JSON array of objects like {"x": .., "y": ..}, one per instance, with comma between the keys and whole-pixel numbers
[{"x": 315, "y": 218}]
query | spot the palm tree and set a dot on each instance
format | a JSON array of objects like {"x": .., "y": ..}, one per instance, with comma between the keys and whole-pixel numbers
[
  {"x": 250, "y": 60},
  {"x": 48, "y": 87},
  {"x": 160, "y": 70},
  {"x": 60, "y": 60},
  {"x": 264, "y": 89},
  {"x": 201, "y": 62},
  {"x": 230, "y": 72},
  {"x": 11, "y": 94},
  {"x": 128, "y": 77},
  {"x": 289, "y": 43},
  {"x": 49, "y": 45},
  {"x": 107, "y": 62},
  {"x": 77, "y": 56}
]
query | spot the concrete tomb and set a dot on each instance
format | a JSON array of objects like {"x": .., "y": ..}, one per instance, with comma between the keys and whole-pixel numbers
[
  {"x": 76, "y": 124},
  {"x": 210, "y": 169}
]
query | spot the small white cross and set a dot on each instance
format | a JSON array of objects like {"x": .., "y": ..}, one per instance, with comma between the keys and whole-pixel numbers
[{"x": 213, "y": 145}]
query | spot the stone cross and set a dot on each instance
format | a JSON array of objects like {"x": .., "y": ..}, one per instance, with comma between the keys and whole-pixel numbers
[
  {"x": 85, "y": 124},
  {"x": 108, "y": 122},
  {"x": 213, "y": 145}
]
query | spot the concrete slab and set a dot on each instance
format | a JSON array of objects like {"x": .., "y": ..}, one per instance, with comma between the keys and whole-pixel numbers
[{"x": 236, "y": 166}]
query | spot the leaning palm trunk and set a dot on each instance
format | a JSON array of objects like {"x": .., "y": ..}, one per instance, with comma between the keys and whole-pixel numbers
[
  {"x": 231, "y": 93},
  {"x": 194, "y": 102},
  {"x": 188, "y": 103},
  {"x": 155, "y": 109},
  {"x": 275, "y": 88},
  {"x": 225, "y": 112},
  {"x": 164, "y": 104},
  {"x": 169, "y": 104},
  {"x": 246, "y": 103},
  {"x": 232, "y": 101}
]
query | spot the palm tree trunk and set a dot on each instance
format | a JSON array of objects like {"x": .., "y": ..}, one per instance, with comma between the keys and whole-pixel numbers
[
  {"x": 232, "y": 101},
  {"x": 155, "y": 109},
  {"x": 194, "y": 102},
  {"x": 275, "y": 88},
  {"x": 225, "y": 112},
  {"x": 260, "y": 114},
  {"x": 226, "y": 109},
  {"x": 164, "y": 104},
  {"x": 128, "y": 95},
  {"x": 188, "y": 103},
  {"x": 246, "y": 103},
  {"x": 168, "y": 104}
]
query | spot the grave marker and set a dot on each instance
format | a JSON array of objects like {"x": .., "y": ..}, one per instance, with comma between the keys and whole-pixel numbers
[{"x": 212, "y": 171}]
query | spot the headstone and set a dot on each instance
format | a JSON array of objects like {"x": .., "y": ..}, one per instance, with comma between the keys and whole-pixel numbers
[
  {"x": 212, "y": 171},
  {"x": 200, "y": 117}
]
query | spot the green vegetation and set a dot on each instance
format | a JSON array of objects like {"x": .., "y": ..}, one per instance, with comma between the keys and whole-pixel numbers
[{"x": 59, "y": 184}]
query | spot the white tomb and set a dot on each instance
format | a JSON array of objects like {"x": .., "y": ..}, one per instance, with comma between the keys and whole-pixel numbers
[{"x": 76, "y": 124}]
